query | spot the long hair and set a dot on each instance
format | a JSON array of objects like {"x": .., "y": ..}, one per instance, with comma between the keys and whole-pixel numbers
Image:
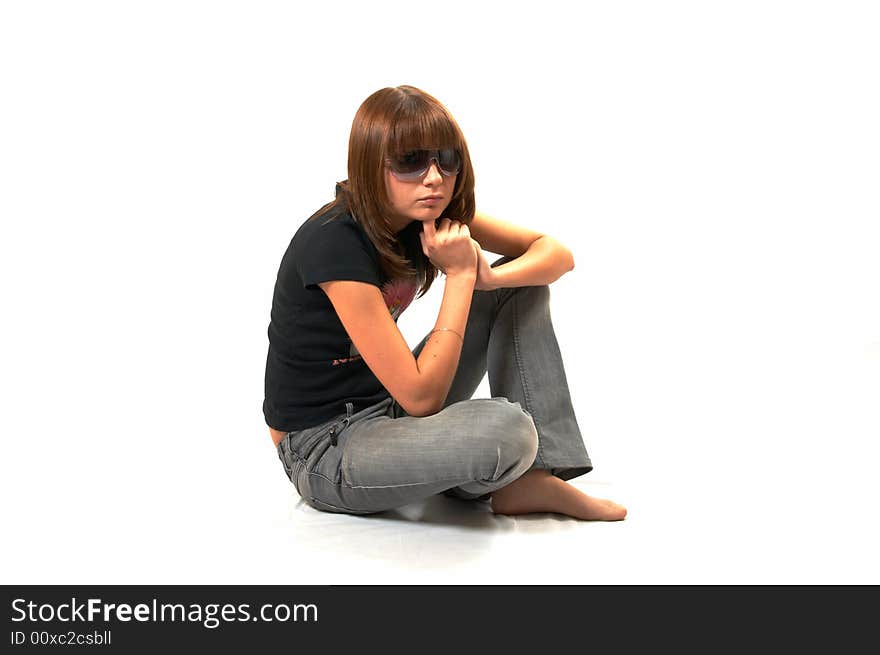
[{"x": 390, "y": 122}]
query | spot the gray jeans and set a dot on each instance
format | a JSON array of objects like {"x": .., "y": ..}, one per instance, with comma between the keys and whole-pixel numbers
[{"x": 380, "y": 457}]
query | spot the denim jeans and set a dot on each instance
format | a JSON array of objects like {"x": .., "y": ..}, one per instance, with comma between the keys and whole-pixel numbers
[{"x": 379, "y": 457}]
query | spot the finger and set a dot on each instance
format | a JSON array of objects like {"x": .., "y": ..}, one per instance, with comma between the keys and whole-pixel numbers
[
  {"x": 445, "y": 231},
  {"x": 428, "y": 230}
]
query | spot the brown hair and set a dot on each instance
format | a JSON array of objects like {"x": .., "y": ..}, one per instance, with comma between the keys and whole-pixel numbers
[{"x": 388, "y": 123}]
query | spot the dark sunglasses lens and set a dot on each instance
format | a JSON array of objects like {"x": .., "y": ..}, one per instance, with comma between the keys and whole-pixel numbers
[
  {"x": 449, "y": 161},
  {"x": 411, "y": 162}
]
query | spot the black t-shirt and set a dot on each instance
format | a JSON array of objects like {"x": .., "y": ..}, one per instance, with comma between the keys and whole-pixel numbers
[{"x": 313, "y": 368}]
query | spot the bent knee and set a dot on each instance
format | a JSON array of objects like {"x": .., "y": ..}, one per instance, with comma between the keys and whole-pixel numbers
[{"x": 516, "y": 434}]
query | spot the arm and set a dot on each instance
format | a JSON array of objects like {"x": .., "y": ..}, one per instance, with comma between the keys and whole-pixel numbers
[
  {"x": 439, "y": 358},
  {"x": 538, "y": 258},
  {"x": 419, "y": 386}
]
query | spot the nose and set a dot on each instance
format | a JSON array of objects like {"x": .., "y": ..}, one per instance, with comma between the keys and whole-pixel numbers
[{"x": 433, "y": 175}]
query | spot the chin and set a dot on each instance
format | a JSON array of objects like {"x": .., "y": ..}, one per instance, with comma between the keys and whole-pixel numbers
[{"x": 428, "y": 215}]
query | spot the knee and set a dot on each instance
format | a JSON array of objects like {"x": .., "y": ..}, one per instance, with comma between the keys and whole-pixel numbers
[
  {"x": 517, "y": 436},
  {"x": 528, "y": 298},
  {"x": 535, "y": 295}
]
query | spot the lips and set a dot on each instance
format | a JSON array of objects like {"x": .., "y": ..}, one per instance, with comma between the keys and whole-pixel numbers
[{"x": 432, "y": 198}]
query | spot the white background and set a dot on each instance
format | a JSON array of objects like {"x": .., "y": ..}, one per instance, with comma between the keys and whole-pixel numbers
[{"x": 712, "y": 166}]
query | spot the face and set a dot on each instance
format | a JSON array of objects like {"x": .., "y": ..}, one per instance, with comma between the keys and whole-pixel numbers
[{"x": 409, "y": 198}]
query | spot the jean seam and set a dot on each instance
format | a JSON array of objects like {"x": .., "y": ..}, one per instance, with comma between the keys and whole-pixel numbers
[
  {"x": 321, "y": 475},
  {"x": 378, "y": 486},
  {"x": 457, "y": 481},
  {"x": 495, "y": 475},
  {"x": 305, "y": 465},
  {"x": 404, "y": 484},
  {"x": 527, "y": 396}
]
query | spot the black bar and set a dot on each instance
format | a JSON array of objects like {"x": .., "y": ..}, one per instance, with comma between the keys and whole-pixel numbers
[{"x": 175, "y": 618}]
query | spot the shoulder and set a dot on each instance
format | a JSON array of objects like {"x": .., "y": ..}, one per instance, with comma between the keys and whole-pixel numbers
[
  {"x": 332, "y": 225},
  {"x": 332, "y": 245}
]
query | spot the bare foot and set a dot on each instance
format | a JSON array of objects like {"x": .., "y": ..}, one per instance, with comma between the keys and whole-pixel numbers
[{"x": 540, "y": 491}]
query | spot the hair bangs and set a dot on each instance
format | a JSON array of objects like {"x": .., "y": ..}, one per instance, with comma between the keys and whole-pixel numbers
[{"x": 422, "y": 125}]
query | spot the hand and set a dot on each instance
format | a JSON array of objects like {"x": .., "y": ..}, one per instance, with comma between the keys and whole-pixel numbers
[
  {"x": 449, "y": 247},
  {"x": 485, "y": 273}
]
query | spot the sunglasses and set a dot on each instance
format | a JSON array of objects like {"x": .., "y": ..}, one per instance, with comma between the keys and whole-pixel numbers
[{"x": 414, "y": 164}]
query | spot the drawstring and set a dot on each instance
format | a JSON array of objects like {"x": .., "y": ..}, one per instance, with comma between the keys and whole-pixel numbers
[{"x": 334, "y": 429}]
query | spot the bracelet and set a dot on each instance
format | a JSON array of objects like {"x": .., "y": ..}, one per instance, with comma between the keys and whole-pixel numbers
[{"x": 446, "y": 330}]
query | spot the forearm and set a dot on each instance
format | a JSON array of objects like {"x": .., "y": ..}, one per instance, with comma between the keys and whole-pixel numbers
[
  {"x": 545, "y": 261},
  {"x": 438, "y": 361}
]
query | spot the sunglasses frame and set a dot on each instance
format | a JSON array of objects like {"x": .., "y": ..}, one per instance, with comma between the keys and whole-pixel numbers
[{"x": 433, "y": 156}]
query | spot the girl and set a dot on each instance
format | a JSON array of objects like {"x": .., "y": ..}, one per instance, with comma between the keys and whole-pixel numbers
[{"x": 360, "y": 423}]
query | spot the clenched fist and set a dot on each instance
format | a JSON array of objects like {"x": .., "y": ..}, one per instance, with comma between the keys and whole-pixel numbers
[{"x": 449, "y": 247}]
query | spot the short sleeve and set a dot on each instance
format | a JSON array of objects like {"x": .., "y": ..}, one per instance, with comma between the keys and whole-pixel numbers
[{"x": 335, "y": 250}]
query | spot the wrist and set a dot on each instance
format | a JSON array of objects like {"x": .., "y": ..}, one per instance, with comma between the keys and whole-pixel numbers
[
  {"x": 494, "y": 280},
  {"x": 465, "y": 276}
]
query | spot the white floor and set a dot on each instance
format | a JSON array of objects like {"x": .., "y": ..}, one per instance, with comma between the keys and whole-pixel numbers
[
  {"x": 220, "y": 524},
  {"x": 673, "y": 535}
]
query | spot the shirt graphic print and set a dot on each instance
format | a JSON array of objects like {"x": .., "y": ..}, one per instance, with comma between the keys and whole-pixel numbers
[{"x": 398, "y": 295}]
